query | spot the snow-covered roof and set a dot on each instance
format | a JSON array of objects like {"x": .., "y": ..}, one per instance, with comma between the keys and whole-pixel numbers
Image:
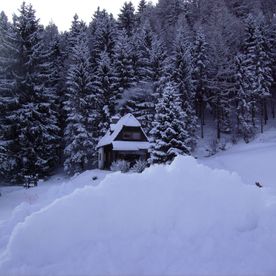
[
  {"x": 130, "y": 145},
  {"x": 127, "y": 120}
]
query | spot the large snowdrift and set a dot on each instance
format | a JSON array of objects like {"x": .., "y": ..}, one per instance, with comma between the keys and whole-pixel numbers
[{"x": 180, "y": 219}]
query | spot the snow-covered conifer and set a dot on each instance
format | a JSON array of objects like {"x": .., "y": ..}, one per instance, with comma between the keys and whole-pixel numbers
[
  {"x": 102, "y": 34},
  {"x": 123, "y": 65},
  {"x": 126, "y": 18},
  {"x": 169, "y": 132},
  {"x": 104, "y": 83},
  {"x": 8, "y": 99},
  {"x": 258, "y": 68},
  {"x": 242, "y": 103},
  {"x": 199, "y": 74},
  {"x": 82, "y": 112},
  {"x": 36, "y": 117}
]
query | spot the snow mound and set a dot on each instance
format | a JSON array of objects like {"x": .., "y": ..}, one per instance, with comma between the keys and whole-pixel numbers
[{"x": 180, "y": 219}]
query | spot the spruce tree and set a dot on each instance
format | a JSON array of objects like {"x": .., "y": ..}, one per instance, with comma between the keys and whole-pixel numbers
[
  {"x": 199, "y": 74},
  {"x": 82, "y": 112},
  {"x": 181, "y": 75},
  {"x": 126, "y": 18},
  {"x": 243, "y": 126},
  {"x": 102, "y": 35},
  {"x": 8, "y": 100},
  {"x": 271, "y": 38},
  {"x": 141, "y": 10},
  {"x": 141, "y": 50},
  {"x": 258, "y": 69},
  {"x": 123, "y": 65},
  {"x": 77, "y": 29},
  {"x": 181, "y": 68},
  {"x": 158, "y": 71},
  {"x": 104, "y": 84},
  {"x": 169, "y": 132},
  {"x": 34, "y": 120}
]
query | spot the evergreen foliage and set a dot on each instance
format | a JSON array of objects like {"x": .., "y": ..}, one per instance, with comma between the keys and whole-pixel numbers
[
  {"x": 171, "y": 137},
  {"x": 81, "y": 112},
  {"x": 174, "y": 65},
  {"x": 126, "y": 18}
]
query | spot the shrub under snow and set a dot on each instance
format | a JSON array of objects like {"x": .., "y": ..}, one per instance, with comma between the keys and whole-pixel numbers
[
  {"x": 120, "y": 165},
  {"x": 139, "y": 166}
]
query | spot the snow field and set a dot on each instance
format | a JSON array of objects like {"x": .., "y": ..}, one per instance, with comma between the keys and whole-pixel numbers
[
  {"x": 184, "y": 218},
  {"x": 254, "y": 162}
]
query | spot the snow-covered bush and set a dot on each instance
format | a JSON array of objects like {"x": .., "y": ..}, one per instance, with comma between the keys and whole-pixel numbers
[
  {"x": 213, "y": 147},
  {"x": 222, "y": 144},
  {"x": 216, "y": 145},
  {"x": 139, "y": 166},
  {"x": 120, "y": 165}
]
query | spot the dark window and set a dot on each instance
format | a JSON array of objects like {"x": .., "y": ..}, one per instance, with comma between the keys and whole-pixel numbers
[{"x": 128, "y": 135}]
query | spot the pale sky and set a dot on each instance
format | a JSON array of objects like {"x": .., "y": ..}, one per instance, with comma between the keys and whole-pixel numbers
[{"x": 61, "y": 12}]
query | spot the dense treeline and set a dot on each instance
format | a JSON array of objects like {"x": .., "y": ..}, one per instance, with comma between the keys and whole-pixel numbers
[{"x": 169, "y": 64}]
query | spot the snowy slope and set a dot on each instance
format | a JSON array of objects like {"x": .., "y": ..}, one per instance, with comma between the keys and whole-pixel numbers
[
  {"x": 253, "y": 162},
  {"x": 180, "y": 219}
]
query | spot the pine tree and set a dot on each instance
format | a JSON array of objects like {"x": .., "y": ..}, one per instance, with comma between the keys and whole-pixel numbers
[
  {"x": 199, "y": 75},
  {"x": 220, "y": 29},
  {"x": 126, "y": 18},
  {"x": 140, "y": 15},
  {"x": 264, "y": 75},
  {"x": 242, "y": 105},
  {"x": 271, "y": 38},
  {"x": 181, "y": 68},
  {"x": 123, "y": 65},
  {"x": 82, "y": 112},
  {"x": 8, "y": 99},
  {"x": 31, "y": 132},
  {"x": 102, "y": 34},
  {"x": 104, "y": 83},
  {"x": 158, "y": 71},
  {"x": 57, "y": 58},
  {"x": 239, "y": 7},
  {"x": 181, "y": 75},
  {"x": 168, "y": 12},
  {"x": 141, "y": 50},
  {"x": 169, "y": 132},
  {"x": 258, "y": 69},
  {"x": 35, "y": 119},
  {"x": 77, "y": 29}
]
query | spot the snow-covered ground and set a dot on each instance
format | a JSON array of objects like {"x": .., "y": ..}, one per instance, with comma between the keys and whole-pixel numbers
[
  {"x": 254, "y": 162},
  {"x": 194, "y": 217}
]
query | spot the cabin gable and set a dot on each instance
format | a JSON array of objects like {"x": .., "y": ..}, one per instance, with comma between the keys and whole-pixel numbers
[{"x": 131, "y": 134}]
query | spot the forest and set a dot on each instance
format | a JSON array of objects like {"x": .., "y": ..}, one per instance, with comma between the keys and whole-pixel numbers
[{"x": 170, "y": 64}]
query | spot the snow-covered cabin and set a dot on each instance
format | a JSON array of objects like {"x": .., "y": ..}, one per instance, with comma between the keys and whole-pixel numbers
[{"x": 125, "y": 140}]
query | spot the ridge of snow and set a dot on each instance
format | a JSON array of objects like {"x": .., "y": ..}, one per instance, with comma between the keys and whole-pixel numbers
[{"x": 182, "y": 219}]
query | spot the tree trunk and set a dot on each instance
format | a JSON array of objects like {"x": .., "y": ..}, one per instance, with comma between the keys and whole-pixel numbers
[
  {"x": 262, "y": 117},
  {"x": 272, "y": 108},
  {"x": 218, "y": 128},
  {"x": 218, "y": 122},
  {"x": 201, "y": 119},
  {"x": 265, "y": 112},
  {"x": 203, "y": 113},
  {"x": 253, "y": 114}
]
